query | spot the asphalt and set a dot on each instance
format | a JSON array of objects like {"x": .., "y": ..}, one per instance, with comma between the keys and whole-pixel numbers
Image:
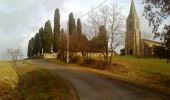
[{"x": 90, "y": 86}]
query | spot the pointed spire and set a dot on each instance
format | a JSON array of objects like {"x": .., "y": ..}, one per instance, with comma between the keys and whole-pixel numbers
[{"x": 133, "y": 12}]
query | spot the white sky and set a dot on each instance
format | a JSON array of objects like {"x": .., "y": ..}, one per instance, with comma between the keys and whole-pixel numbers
[{"x": 21, "y": 19}]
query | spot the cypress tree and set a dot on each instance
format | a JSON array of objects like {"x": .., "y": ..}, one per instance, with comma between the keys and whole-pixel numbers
[
  {"x": 47, "y": 34},
  {"x": 71, "y": 24},
  {"x": 62, "y": 31},
  {"x": 56, "y": 30},
  {"x": 42, "y": 39},
  {"x": 30, "y": 48},
  {"x": 102, "y": 37},
  {"x": 79, "y": 27},
  {"x": 37, "y": 44}
]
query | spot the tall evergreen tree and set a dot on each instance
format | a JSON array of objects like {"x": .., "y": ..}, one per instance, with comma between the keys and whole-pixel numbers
[
  {"x": 71, "y": 24},
  {"x": 102, "y": 41},
  {"x": 42, "y": 38},
  {"x": 30, "y": 48},
  {"x": 62, "y": 31},
  {"x": 48, "y": 37},
  {"x": 79, "y": 26},
  {"x": 37, "y": 44},
  {"x": 56, "y": 30}
]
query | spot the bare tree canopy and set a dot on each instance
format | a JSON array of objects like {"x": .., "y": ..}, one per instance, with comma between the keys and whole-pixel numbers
[
  {"x": 14, "y": 54},
  {"x": 111, "y": 18}
]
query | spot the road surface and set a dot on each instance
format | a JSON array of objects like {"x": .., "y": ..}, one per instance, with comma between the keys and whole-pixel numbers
[{"x": 90, "y": 86}]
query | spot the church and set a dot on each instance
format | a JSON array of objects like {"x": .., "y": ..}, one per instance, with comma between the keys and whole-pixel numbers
[{"x": 134, "y": 44}]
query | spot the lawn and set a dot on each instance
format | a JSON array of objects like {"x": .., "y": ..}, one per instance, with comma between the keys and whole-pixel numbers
[
  {"x": 146, "y": 64},
  {"x": 33, "y": 83}
]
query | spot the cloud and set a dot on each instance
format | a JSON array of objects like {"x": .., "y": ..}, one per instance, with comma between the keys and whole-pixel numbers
[{"x": 20, "y": 19}]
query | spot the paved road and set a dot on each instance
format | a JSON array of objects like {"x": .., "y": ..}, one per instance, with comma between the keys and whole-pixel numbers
[{"x": 94, "y": 87}]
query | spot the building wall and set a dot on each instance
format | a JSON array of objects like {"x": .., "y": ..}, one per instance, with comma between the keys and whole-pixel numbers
[
  {"x": 148, "y": 47},
  {"x": 50, "y": 56},
  {"x": 133, "y": 36}
]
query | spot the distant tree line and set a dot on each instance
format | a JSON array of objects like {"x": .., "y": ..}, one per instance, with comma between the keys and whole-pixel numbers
[{"x": 46, "y": 40}]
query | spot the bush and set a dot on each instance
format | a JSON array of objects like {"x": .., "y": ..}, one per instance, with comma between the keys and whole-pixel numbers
[
  {"x": 88, "y": 61},
  {"x": 74, "y": 59}
]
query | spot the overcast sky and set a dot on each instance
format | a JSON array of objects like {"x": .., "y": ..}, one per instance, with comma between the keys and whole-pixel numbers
[{"x": 21, "y": 19}]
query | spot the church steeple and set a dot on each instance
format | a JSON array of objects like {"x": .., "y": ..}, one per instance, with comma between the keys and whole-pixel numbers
[
  {"x": 133, "y": 35},
  {"x": 133, "y": 13}
]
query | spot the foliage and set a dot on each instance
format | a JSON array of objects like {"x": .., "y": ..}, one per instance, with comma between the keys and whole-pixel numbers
[
  {"x": 167, "y": 37},
  {"x": 156, "y": 11},
  {"x": 30, "y": 48},
  {"x": 111, "y": 17},
  {"x": 100, "y": 43},
  {"x": 79, "y": 26},
  {"x": 37, "y": 44},
  {"x": 159, "y": 52},
  {"x": 56, "y": 30},
  {"x": 42, "y": 35},
  {"x": 101, "y": 40},
  {"x": 62, "y": 46},
  {"x": 71, "y": 24},
  {"x": 48, "y": 37}
]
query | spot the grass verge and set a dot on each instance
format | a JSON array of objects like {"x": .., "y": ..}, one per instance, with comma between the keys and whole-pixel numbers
[{"x": 38, "y": 84}]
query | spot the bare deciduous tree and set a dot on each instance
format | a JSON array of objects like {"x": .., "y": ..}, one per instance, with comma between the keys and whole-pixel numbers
[
  {"x": 112, "y": 18},
  {"x": 14, "y": 53}
]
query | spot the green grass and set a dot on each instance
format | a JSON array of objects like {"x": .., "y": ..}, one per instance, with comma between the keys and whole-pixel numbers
[{"x": 146, "y": 64}]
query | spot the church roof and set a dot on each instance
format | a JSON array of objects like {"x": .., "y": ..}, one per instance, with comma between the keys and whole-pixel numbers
[
  {"x": 152, "y": 41},
  {"x": 133, "y": 13}
]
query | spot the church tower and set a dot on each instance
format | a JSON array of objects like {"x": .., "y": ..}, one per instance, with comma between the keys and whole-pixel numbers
[{"x": 133, "y": 34}]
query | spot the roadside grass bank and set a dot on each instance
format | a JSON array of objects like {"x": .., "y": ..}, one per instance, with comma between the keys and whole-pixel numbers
[
  {"x": 35, "y": 83},
  {"x": 128, "y": 69}
]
